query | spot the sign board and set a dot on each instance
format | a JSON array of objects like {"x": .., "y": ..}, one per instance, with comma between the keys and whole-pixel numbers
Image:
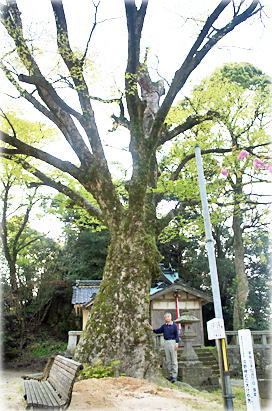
[
  {"x": 249, "y": 371},
  {"x": 216, "y": 329}
]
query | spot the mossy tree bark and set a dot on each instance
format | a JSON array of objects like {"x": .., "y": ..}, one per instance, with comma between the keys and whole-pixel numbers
[{"x": 115, "y": 329}]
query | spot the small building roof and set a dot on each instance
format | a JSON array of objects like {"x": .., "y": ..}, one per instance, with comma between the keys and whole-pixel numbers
[
  {"x": 84, "y": 290},
  {"x": 181, "y": 286}
]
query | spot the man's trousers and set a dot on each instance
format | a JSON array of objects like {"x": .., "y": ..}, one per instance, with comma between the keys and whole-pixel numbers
[{"x": 171, "y": 357}]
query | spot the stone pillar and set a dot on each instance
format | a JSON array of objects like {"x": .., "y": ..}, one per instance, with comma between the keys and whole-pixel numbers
[{"x": 72, "y": 341}]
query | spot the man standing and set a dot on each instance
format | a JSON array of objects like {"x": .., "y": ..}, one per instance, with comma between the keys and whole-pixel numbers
[{"x": 171, "y": 339}]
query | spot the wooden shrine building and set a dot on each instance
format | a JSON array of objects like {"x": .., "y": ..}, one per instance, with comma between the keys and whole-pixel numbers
[{"x": 168, "y": 293}]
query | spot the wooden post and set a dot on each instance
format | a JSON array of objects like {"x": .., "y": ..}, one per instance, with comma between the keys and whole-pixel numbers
[{"x": 177, "y": 309}]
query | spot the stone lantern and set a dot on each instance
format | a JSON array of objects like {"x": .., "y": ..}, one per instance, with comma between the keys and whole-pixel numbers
[
  {"x": 190, "y": 369},
  {"x": 187, "y": 320}
]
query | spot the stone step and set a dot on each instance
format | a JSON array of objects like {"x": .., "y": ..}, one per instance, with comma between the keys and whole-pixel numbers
[
  {"x": 207, "y": 357},
  {"x": 205, "y": 354}
]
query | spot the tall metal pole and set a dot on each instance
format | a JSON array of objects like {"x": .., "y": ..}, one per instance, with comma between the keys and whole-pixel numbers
[{"x": 221, "y": 344}]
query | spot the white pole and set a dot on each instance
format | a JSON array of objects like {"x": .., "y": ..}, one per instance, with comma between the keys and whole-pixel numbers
[
  {"x": 221, "y": 343},
  {"x": 209, "y": 237}
]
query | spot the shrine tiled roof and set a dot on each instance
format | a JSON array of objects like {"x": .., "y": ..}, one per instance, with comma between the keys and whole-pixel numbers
[{"x": 84, "y": 290}]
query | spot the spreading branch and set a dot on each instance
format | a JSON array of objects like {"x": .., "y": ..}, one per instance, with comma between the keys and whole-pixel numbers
[
  {"x": 11, "y": 19},
  {"x": 199, "y": 50},
  {"x": 189, "y": 123},
  {"x": 75, "y": 67},
  {"x": 73, "y": 195},
  {"x": 28, "y": 150},
  {"x": 178, "y": 210},
  {"x": 91, "y": 32}
]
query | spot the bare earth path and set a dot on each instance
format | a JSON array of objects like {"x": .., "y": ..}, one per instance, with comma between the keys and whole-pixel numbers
[
  {"x": 11, "y": 390},
  {"x": 111, "y": 394}
]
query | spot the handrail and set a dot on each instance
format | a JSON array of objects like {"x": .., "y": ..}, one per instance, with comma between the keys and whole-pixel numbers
[{"x": 259, "y": 338}]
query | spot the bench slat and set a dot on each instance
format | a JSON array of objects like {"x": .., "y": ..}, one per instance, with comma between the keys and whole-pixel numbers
[
  {"x": 31, "y": 398},
  {"x": 62, "y": 371},
  {"x": 62, "y": 390},
  {"x": 53, "y": 395},
  {"x": 35, "y": 400},
  {"x": 68, "y": 361},
  {"x": 66, "y": 367},
  {"x": 46, "y": 395},
  {"x": 41, "y": 394},
  {"x": 38, "y": 398}
]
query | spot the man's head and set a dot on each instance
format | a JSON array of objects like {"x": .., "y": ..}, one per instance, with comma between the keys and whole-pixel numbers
[{"x": 168, "y": 317}]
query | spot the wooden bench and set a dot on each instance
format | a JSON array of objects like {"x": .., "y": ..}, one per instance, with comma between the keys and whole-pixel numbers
[{"x": 55, "y": 389}]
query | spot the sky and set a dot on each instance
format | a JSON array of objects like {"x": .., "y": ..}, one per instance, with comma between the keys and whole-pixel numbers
[{"x": 170, "y": 28}]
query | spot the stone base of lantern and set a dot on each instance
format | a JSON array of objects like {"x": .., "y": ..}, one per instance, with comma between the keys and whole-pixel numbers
[{"x": 197, "y": 375}]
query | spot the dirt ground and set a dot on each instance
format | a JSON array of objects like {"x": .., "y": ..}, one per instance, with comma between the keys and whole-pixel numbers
[
  {"x": 125, "y": 393},
  {"x": 11, "y": 390},
  {"x": 111, "y": 394}
]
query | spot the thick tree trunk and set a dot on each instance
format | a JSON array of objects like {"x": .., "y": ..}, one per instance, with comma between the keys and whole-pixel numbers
[
  {"x": 241, "y": 292},
  {"x": 117, "y": 328}
]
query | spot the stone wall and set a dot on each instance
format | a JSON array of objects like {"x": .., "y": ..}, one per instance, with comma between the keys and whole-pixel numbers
[{"x": 262, "y": 355}]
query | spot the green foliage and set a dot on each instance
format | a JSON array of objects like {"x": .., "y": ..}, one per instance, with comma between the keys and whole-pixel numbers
[
  {"x": 245, "y": 75},
  {"x": 99, "y": 370},
  {"x": 47, "y": 347},
  {"x": 84, "y": 254},
  {"x": 258, "y": 264},
  {"x": 74, "y": 217},
  {"x": 31, "y": 132}
]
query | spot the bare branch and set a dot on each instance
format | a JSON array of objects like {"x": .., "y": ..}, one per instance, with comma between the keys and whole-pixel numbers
[
  {"x": 179, "y": 209},
  {"x": 92, "y": 31},
  {"x": 25, "y": 244},
  {"x": 41, "y": 82},
  {"x": 196, "y": 54},
  {"x": 189, "y": 123},
  {"x": 21, "y": 229},
  {"x": 9, "y": 122},
  {"x": 135, "y": 21},
  {"x": 28, "y": 96},
  {"x": 11, "y": 20},
  {"x": 76, "y": 71}
]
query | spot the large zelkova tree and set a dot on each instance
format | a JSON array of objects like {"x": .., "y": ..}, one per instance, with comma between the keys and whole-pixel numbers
[
  {"x": 241, "y": 95},
  {"x": 116, "y": 326}
]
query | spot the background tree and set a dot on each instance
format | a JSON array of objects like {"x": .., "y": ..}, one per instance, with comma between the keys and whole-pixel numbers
[
  {"x": 133, "y": 257},
  {"x": 86, "y": 242},
  {"x": 36, "y": 290},
  {"x": 241, "y": 135}
]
